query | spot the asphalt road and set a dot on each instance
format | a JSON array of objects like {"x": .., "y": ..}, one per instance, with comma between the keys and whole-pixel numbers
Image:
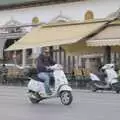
[{"x": 14, "y": 105}]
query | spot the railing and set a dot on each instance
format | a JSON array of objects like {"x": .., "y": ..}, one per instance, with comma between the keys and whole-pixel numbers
[{"x": 78, "y": 78}]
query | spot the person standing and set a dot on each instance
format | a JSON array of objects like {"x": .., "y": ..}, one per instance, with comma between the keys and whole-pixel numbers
[{"x": 4, "y": 72}]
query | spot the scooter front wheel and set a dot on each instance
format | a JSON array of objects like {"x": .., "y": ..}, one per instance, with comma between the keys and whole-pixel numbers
[{"x": 66, "y": 97}]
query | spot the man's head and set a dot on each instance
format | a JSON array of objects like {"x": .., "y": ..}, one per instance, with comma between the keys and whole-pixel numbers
[
  {"x": 45, "y": 51},
  {"x": 108, "y": 66}
]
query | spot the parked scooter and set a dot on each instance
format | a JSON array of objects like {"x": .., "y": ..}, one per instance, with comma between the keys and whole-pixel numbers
[
  {"x": 111, "y": 80},
  {"x": 59, "y": 87}
]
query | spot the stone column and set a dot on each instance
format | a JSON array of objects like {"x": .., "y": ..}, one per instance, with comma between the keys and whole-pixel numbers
[
  {"x": 24, "y": 57},
  {"x": 87, "y": 63},
  {"x": 35, "y": 53},
  {"x": 107, "y": 55}
]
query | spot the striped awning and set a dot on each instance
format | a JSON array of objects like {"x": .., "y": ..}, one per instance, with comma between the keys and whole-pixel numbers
[
  {"x": 110, "y": 36},
  {"x": 104, "y": 42},
  {"x": 57, "y": 34}
]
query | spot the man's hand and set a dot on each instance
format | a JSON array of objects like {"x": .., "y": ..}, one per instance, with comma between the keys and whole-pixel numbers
[{"x": 56, "y": 67}]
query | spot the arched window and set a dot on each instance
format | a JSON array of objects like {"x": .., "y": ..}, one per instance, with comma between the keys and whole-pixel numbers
[{"x": 89, "y": 15}]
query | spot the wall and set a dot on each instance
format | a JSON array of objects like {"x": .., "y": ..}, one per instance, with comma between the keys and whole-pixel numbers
[{"x": 75, "y": 11}]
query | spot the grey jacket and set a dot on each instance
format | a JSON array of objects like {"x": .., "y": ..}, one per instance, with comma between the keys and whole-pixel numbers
[{"x": 42, "y": 63}]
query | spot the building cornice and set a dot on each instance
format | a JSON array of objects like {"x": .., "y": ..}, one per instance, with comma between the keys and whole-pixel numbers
[
  {"x": 12, "y": 35},
  {"x": 35, "y": 3}
]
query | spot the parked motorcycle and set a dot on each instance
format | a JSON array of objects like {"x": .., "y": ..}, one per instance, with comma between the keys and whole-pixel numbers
[
  {"x": 59, "y": 87},
  {"x": 111, "y": 80}
]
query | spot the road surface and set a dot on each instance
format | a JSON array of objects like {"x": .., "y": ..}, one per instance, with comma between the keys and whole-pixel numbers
[{"x": 14, "y": 105}]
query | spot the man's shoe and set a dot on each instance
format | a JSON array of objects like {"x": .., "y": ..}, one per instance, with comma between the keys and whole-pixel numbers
[{"x": 49, "y": 93}]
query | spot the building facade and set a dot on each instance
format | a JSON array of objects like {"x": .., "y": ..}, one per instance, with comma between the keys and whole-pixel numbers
[{"x": 56, "y": 11}]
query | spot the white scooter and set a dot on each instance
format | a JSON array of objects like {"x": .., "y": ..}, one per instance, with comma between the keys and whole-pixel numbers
[
  {"x": 111, "y": 80},
  {"x": 60, "y": 87}
]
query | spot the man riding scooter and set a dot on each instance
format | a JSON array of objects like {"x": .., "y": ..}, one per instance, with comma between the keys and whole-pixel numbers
[
  {"x": 111, "y": 74},
  {"x": 39, "y": 87},
  {"x": 111, "y": 79},
  {"x": 44, "y": 73}
]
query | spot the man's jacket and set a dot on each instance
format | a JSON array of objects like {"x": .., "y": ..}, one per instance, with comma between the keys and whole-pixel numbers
[{"x": 43, "y": 62}]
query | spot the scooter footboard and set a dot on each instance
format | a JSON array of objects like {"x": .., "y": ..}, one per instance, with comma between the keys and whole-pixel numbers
[{"x": 116, "y": 86}]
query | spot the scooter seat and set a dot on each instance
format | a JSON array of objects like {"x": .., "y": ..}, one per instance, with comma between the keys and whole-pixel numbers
[{"x": 35, "y": 77}]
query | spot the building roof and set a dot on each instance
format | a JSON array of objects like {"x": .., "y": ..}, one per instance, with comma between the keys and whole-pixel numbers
[
  {"x": 8, "y": 2},
  {"x": 60, "y": 18},
  {"x": 17, "y": 4}
]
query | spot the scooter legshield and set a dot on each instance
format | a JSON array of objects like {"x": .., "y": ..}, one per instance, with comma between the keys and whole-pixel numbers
[{"x": 64, "y": 88}]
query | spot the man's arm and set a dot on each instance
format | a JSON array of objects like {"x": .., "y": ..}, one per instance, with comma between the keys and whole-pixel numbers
[
  {"x": 40, "y": 65},
  {"x": 52, "y": 62}
]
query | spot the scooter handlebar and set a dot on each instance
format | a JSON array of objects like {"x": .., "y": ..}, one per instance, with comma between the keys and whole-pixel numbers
[{"x": 56, "y": 67}]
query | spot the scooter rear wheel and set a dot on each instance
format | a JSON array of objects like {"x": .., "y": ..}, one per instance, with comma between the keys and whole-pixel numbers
[
  {"x": 34, "y": 101},
  {"x": 66, "y": 97},
  {"x": 93, "y": 89}
]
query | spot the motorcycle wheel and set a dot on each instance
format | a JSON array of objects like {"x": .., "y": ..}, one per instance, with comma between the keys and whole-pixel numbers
[
  {"x": 66, "y": 97},
  {"x": 91, "y": 86},
  {"x": 117, "y": 91},
  {"x": 34, "y": 101},
  {"x": 93, "y": 89}
]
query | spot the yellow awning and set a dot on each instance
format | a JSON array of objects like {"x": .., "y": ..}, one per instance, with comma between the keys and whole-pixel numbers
[
  {"x": 57, "y": 34},
  {"x": 104, "y": 42},
  {"x": 80, "y": 48}
]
